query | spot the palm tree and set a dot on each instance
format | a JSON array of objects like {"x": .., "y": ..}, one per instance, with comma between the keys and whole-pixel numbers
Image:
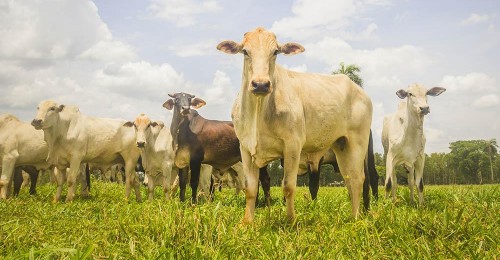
[
  {"x": 491, "y": 148},
  {"x": 351, "y": 71}
]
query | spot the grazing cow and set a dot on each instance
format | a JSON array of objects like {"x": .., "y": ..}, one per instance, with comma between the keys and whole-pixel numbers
[
  {"x": 297, "y": 116},
  {"x": 20, "y": 145},
  {"x": 157, "y": 153},
  {"x": 404, "y": 140},
  {"x": 73, "y": 138},
  {"x": 198, "y": 140}
]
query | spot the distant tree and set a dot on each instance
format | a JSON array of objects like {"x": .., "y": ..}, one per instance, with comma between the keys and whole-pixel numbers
[
  {"x": 491, "y": 149},
  {"x": 469, "y": 158},
  {"x": 352, "y": 71}
]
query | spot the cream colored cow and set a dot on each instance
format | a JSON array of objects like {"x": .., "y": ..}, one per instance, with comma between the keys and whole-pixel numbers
[
  {"x": 75, "y": 138},
  {"x": 20, "y": 145},
  {"x": 155, "y": 142},
  {"x": 404, "y": 140},
  {"x": 297, "y": 116}
]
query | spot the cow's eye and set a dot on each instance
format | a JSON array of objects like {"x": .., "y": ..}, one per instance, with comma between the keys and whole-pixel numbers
[
  {"x": 52, "y": 109},
  {"x": 410, "y": 94},
  {"x": 245, "y": 52},
  {"x": 276, "y": 52}
]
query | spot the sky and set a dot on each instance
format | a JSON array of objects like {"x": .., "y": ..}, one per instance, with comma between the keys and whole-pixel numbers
[{"x": 117, "y": 59}]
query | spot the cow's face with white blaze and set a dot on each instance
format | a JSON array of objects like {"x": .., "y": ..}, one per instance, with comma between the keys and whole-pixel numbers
[
  {"x": 260, "y": 50},
  {"x": 182, "y": 103},
  {"x": 144, "y": 127},
  {"x": 417, "y": 97},
  {"x": 47, "y": 114}
]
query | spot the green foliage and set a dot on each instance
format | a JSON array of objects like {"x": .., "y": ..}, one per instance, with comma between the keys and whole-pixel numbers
[
  {"x": 456, "y": 222},
  {"x": 352, "y": 71},
  {"x": 473, "y": 159}
]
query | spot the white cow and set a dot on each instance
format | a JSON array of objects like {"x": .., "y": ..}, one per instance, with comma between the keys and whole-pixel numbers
[
  {"x": 234, "y": 177},
  {"x": 404, "y": 140},
  {"x": 297, "y": 116},
  {"x": 155, "y": 142},
  {"x": 20, "y": 145},
  {"x": 73, "y": 138}
]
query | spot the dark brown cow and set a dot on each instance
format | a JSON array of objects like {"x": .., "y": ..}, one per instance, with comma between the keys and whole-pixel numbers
[{"x": 198, "y": 140}]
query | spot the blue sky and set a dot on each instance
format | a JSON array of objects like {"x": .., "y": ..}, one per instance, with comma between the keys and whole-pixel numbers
[{"x": 117, "y": 58}]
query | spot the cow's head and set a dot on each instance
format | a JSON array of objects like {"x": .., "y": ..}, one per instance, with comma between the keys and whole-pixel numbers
[
  {"x": 260, "y": 49},
  {"x": 182, "y": 103},
  {"x": 144, "y": 127},
  {"x": 47, "y": 114},
  {"x": 417, "y": 97}
]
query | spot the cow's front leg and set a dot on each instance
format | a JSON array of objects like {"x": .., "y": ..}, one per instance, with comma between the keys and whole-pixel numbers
[
  {"x": 74, "y": 173},
  {"x": 131, "y": 180},
  {"x": 151, "y": 186},
  {"x": 291, "y": 156},
  {"x": 419, "y": 174},
  {"x": 8, "y": 164},
  {"x": 195, "y": 166},
  {"x": 60, "y": 178},
  {"x": 251, "y": 172},
  {"x": 183, "y": 177}
]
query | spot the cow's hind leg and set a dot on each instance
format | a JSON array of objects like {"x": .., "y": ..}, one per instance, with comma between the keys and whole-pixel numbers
[
  {"x": 314, "y": 172},
  {"x": 265, "y": 180},
  {"x": 411, "y": 181},
  {"x": 18, "y": 180},
  {"x": 351, "y": 157},
  {"x": 419, "y": 174}
]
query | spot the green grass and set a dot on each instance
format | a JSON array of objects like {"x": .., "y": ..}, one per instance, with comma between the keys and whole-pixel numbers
[{"x": 457, "y": 222}]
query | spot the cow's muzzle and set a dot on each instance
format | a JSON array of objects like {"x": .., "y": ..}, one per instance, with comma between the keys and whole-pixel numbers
[
  {"x": 260, "y": 87},
  {"x": 425, "y": 110},
  {"x": 37, "y": 123}
]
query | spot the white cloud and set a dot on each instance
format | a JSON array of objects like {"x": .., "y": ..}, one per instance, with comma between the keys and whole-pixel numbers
[
  {"x": 139, "y": 79},
  {"x": 312, "y": 16},
  {"x": 109, "y": 51},
  {"x": 379, "y": 65},
  {"x": 49, "y": 29},
  {"x": 486, "y": 101},
  {"x": 474, "y": 19},
  {"x": 197, "y": 49},
  {"x": 473, "y": 82},
  {"x": 182, "y": 12}
]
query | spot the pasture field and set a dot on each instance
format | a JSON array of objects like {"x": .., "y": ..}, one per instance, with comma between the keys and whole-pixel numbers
[{"x": 457, "y": 222}]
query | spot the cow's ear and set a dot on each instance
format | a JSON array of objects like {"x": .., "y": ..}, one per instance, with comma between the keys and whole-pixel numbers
[
  {"x": 291, "y": 48},
  {"x": 197, "y": 103},
  {"x": 128, "y": 124},
  {"x": 402, "y": 94},
  {"x": 60, "y": 108},
  {"x": 229, "y": 47},
  {"x": 169, "y": 104},
  {"x": 435, "y": 91}
]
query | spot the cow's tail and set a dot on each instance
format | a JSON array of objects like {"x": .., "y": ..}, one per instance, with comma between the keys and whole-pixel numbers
[
  {"x": 372, "y": 170},
  {"x": 87, "y": 176}
]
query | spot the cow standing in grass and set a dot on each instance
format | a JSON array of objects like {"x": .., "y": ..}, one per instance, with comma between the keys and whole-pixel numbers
[
  {"x": 280, "y": 113},
  {"x": 198, "y": 140},
  {"x": 404, "y": 140},
  {"x": 74, "y": 138},
  {"x": 157, "y": 153}
]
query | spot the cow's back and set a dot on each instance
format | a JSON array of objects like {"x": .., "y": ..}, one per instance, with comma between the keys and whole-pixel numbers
[
  {"x": 220, "y": 145},
  {"x": 22, "y": 138}
]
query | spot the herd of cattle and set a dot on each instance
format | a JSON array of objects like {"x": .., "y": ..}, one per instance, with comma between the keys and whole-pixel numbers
[{"x": 303, "y": 119}]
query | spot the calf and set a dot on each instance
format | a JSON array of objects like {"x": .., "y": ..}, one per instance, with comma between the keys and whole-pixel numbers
[
  {"x": 20, "y": 146},
  {"x": 157, "y": 153},
  {"x": 198, "y": 140},
  {"x": 404, "y": 140}
]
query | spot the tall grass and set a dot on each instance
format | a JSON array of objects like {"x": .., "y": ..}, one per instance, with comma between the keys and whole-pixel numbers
[{"x": 460, "y": 222}]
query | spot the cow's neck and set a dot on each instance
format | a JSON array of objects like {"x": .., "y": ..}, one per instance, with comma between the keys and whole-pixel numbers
[
  {"x": 414, "y": 124},
  {"x": 174, "y": 127},
  {"x": 53, "y": 135}
]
